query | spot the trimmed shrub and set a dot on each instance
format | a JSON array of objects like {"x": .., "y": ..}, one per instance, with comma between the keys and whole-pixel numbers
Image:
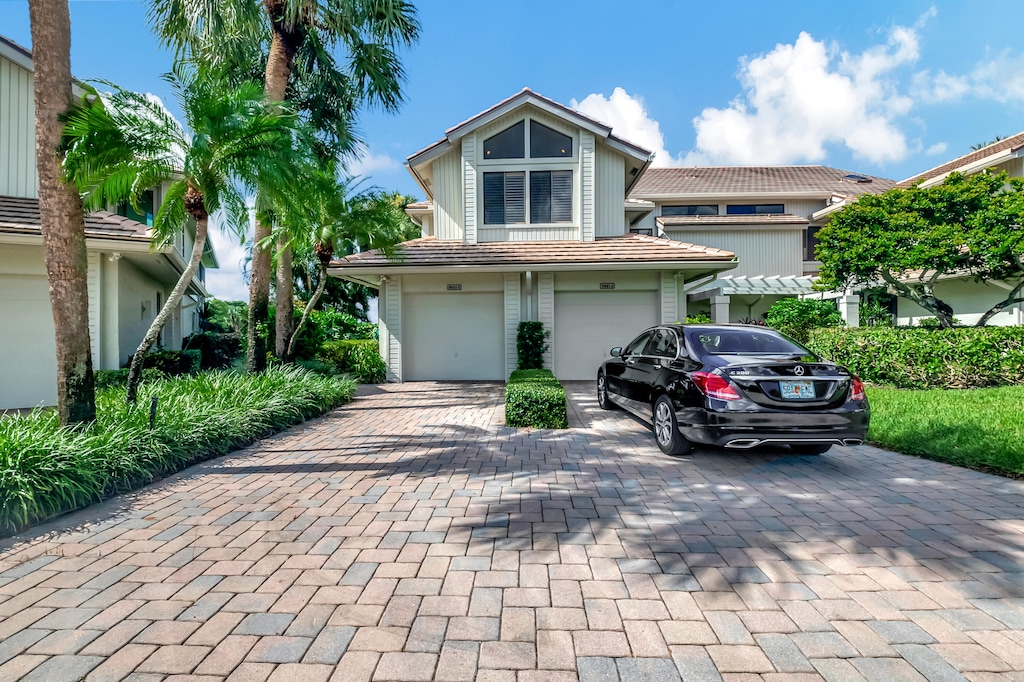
[
  {"x": 699, "y": 318},
  {"x": 531, "y": 342},
  {"x": 795, "y": 317},
  {"x": 47, "y": 470},
  {"x": 217, "y": 351},
  {"x": 173, "y": 362},
  {"x": 533, "y": 397},
  {"x": 915, "y": 357},
  {"x": 329, "y": 325},
  {"x": 118, "y": 378},
  {"x": 358, "y": 357}
]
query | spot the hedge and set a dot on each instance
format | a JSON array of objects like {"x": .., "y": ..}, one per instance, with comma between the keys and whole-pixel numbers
[
  {"x": 217, "y": 351},
  {"x": 358, "y": 357},
  {"x": 533, "y": 397},
  {"x": 962, "y": 357}
]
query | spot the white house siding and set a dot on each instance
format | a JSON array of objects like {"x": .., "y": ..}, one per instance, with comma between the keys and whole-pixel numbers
[
  {"x": 802, "y": 207},
  {"x": 546, "y": 308},
  {"x": 609, "y": 191},
  {"x": 761, "y": 251},
  {"x": 586, "y": 183},
  {"x": 469, "y": 187},
  {"x": 648, "y": 221},
  {"x": 17, "y": 132},
  {"x": 513, "y": 315},
  {"x": 136, "y": 303},
  {"x": 391, "y": 327},
  {"x": 969, "y": 300},
  {"x": 95, "y": 292},
  {"x": 28, "y": 352},
  {"x": 448, "y": 195},
  {"x": 109, "y": 346},
  {"x": 668, "y": 303},
  {"x": 520, "y": 233}
]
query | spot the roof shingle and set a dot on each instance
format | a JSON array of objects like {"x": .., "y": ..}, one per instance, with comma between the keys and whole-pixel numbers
[
  {"x": 19, "y": 214},
  {"x": 1013, "y": 143},
  {"x": 711, "y": 180}
]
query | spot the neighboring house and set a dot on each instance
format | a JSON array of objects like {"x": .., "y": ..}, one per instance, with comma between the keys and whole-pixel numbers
[
  {"x": 527, "y": 218},
  {"x": 969, "y": 299},
  {"x": 128, "y": 280}
]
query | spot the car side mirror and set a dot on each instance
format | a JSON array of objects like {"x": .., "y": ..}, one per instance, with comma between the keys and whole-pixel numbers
[{"x": 616, "y": 352}]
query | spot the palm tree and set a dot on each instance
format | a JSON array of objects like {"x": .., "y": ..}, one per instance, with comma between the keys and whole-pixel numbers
[
  {"x": 60, "y": 213},
  {"x": 300, "y": 68},
  {"x": 338, "y": 216},
  {"x": 124, "y": 143}
]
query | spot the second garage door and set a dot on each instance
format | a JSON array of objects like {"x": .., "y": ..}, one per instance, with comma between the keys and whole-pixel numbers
[
  {"x": 588, "y": 324},
  {"x": 28, "y": 355},
  {"x": 450, "y": 337}
]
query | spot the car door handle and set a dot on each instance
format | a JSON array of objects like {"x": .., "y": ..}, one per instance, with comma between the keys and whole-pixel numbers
[{"x": 657, "y": 367}]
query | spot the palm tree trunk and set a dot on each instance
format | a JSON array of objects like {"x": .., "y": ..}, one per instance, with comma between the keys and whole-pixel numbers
[
  {"x": 313, "y": 300},
  {"x": 275, "y": 86},
  {"x": 285, "y": 303},
  {"x": 194, "y": 199},
  {"x": 60, "y": 213}
]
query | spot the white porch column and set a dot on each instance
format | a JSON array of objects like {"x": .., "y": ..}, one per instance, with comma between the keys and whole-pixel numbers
[
  {"x": 513, "y": 315},
  {"x": 720, "y": 309},
  {"x": 546, "y": 311},
  {"x": 391, "y": 325},
  {"x": 669, "y": 298},
  {"x": 849, "y": 308}
]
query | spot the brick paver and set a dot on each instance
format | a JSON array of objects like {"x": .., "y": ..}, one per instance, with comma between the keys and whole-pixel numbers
[{"x": 412, "y": 536}]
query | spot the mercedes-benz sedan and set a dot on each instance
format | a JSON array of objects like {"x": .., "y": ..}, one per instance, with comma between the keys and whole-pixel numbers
[{"x": 737, "y": 386}]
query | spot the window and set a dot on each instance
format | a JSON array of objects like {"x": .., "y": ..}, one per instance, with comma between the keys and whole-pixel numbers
[
  {"x": 551, "y": 196},
  {"x": 546, "y": 143},
  {"x": 754, "y": 209},
  {"x": 810, "y": 242},
  {"x": 126, "y": 210},
  {"x": 663, "y": 344},
  {"x": 508, "y": 144},
  {"x": 504, "y": 198},
  {"x": 690, "y": 209},
  {"x": 636, "y": 347},
  {"x": 649, "y": 231}
]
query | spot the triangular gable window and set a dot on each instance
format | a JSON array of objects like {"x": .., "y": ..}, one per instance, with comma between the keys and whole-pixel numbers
[
  {"x": 546, "y": 143},
  {"x": 508, "y": 144}
]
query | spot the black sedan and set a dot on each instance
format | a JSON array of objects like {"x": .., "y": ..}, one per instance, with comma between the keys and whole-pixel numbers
[{"x": 737, "y": 386}]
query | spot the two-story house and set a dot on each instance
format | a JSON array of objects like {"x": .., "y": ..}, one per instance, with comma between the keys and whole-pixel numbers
[
  {"x": 128, "y": 279},
  {"x": 527, "y": 218}
]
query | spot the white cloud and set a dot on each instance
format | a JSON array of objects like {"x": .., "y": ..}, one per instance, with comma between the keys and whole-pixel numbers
[
  {"x": 369, "y": 163},
  {"x": 799, "y": 98},
  {"x": 228, "y": 282},
  {"x": 1000, "y": 79},
  {"x": 936, "y": 149},
  {"x": 629, "y": 120}
]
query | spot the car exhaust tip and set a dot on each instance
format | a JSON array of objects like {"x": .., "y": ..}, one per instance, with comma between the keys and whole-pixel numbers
[
  {"x": 743, "y": 443},
  {"x": 852, "y": 441}
]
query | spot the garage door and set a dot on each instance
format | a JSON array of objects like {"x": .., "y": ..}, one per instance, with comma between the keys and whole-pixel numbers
[
  {"x": 28, "y": 362},
  {"x": 448, "y": 337},
  {"x": 588, "y": 324}
]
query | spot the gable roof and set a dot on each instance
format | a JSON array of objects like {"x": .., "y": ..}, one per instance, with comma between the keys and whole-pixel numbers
[
  {"x": 986, "y": 156},
  {"x": 746, "y": 180},
  {"x": 18, "y": 54},
  {"x": 526, "y": 96},
  {"x": 20, "y": 215}
]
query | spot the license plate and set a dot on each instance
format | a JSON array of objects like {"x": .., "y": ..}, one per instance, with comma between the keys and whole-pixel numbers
[{"x": 797, "y": 390}]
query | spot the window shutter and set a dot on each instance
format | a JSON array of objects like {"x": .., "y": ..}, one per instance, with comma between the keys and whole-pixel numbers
[
  {"x": 561, "y": 196},
  {"x": 494, "y": 198},
  {"x": 515, "y": 197},
  {"x": 540, "y": 197}
]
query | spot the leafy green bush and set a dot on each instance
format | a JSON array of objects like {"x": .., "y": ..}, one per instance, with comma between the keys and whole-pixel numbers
[
  {"x": 317, "y": 367},
  {"x": 118, "y": 378},
  {"x": 795, "y": 317},
  {"x": 46, "y": 470},
  {"x": 533, "y": 397},
  {"x": 531, "y": 342},
  {"x": 935, "y": 323},
  {"x": 915, "y": 357},
  {"x": 699, "y": 318},
  {"x": 174, "y": 362},
  {"x": 330, "y": 325},
  {"x": 358, "y": 357},
  {"x": 216, "y": 351}
]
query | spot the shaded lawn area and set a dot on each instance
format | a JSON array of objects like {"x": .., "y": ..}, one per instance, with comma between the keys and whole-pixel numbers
[{"x": 979, "y": 428}]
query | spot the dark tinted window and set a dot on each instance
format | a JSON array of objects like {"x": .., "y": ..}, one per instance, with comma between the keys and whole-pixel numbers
[
  {"x": 649, "y": 231},
  {"x": 508, "y": 144},
  {"x": 551, "y": 196},
  {"x": 504, "y": 198},
  {"x": 753, "y": 209},
  {"x": 636, "y": 347},
  {"x": 690, "y": 209},
  {"x": 145, "y": 213},
  {"x": 745, "y": 342},
  {"x": 546, "y": 143},
  {"x": 810, "y": 242},
  {"x": 663, "y": 344}
]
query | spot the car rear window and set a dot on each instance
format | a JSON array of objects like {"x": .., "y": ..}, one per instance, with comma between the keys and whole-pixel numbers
[{"x": 745, "y": 342}]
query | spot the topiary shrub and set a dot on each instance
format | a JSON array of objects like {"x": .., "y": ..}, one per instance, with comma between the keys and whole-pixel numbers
[
  {"x": 358, "y": 357},
  {"x": 531, "y": 343},
  {"x": 795, "y": 317},
  {"x": 915, "y": 357},
  {"x": 533, "y": 397},
  {"x": 216, "y": 351}
]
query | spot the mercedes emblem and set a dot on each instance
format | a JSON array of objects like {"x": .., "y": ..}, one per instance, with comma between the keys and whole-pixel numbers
[{"x": 798, "y": 370}]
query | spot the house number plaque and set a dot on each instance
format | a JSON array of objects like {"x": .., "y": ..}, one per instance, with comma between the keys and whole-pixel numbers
[
  {"x": 454, "y": 287},
  {"x": 607, "y": 285}
]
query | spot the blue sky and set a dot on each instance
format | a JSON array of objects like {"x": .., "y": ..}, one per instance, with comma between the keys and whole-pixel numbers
[{"x": 884, "y": 88}]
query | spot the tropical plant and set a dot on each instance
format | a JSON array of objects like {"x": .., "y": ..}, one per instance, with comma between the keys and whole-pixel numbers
[
  {"x": 797, "y": 316},
  {"x": 123, "y": 143},
  {"x": 295, "y": 40},
  {"x": 61, "y": 218},
  {"x": 909, "y": 238}
]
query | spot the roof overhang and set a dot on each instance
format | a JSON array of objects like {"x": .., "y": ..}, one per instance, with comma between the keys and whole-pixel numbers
[
  {"x": 976, "y": 166},
  {"x": 663, "y": 197}
]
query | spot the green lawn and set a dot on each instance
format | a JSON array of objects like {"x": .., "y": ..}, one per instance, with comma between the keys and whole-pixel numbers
[{"x": 981, "y": 428}]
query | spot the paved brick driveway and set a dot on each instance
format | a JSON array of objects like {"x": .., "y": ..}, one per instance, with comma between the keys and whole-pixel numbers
[{"x": 411, "y": 536}]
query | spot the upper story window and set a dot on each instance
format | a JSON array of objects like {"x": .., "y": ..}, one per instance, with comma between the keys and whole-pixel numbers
[
  {"x": 145, "y": 213},
  {"x": 754, "y": 209},
  {"x": 810, "y": 242},
  {"x": 690, "y": 209},
  {"x": 550, "y": 197},
  {"x": 508, "y": 144},
  {"x": 546, "y": 143},
  {"x": 504, "y": 198}
]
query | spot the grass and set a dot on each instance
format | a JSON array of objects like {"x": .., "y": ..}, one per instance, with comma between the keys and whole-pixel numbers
[
  {"x": 980, "y": 428},
  {"x": 46, "y": 471}
]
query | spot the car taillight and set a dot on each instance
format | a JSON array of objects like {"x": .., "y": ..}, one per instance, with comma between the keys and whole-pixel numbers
[
  {"x": 857, "y": 389},
  {"x": 714, "y": 386}
]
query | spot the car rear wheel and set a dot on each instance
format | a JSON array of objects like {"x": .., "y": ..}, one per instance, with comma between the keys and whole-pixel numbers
[
  {"x": 603, "y": 401},
  {"x": 810, "y": 448},
  {"x": 666, "y": 428}
]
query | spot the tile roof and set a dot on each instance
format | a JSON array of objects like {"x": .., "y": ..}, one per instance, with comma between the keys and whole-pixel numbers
[
  {"x": 711, "y": 180},
  {"x": 21, "y": 215},
  {"x": 1012, "y": 143},
  {"x": 430, "y": 251},
  {"x": 766, "y": 219}
]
